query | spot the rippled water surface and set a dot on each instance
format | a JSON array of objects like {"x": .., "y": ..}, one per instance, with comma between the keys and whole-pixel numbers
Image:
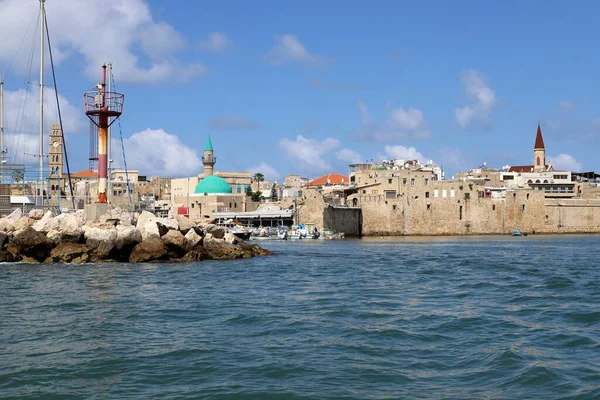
[{"x": 475, "y": 317}]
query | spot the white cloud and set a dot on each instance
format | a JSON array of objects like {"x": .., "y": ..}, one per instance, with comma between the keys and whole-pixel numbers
[
  {"x": 269, "y": 172},
  {"x": 483, "y": 98},
  {"x": 565, "y": 162},
  {"x": 124, "y": 32},
  {"x": 288, "y": 49},
  {"x": 406, "y": 120},
  {"x": 21, "y": 111},
  {"x": 565, "y": 105},
  {"x": 156, "y": 152},
  {"x": 453, "y": 158},
  {"x": 307, "y": 154},
  {"x": 217, "y": 42},
  {"x": 403, "y": 153},
  {"x": 400, "y": 123},
  {"x": 349, "y": 156},
  {"x": 232, "y": 122}
]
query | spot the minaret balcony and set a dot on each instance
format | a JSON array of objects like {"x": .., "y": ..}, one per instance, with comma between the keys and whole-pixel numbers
[{"x": 209, "y": 159}]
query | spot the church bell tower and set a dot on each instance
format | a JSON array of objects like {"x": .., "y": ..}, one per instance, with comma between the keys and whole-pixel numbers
[
  {"x": 539, "y": 152},
  {"x": 55, "y": 161},
  {"x": 208, "y": 159}
]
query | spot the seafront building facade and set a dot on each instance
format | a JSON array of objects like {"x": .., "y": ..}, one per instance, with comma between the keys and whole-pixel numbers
[{"x": 409, "y": 198}]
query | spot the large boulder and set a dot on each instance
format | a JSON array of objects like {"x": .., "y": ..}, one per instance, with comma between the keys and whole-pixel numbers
[
  {"x": 7, "y": 225},
  {"x": 223, "y": 251},
  {"x": 102, "y": 241},
  {"x": 197, "y": 254},
  {"x": 36, "y": 214},
  {"x": 67, "y": 252},
  {"x": 176, "y": 244},
  {"x": 149, "y": 250},
  {"x": 46, "y": 223},
  {"x": 184, "y": 224},
  {"x": 166, "y": 224},
  {"x": 230, "y": 238},
  {"x": 150, "y": 230},
  {"x": 127, "y": 236},
  {"x": 193, "y": 239},
  {"x": 3, "y": 238},
  {"x": 117, "y": 216},
  {"x": 64, "y": 228},
  {"x": 32, "y": 244},
  {"x": 23, "y": 222},
  {"x": 15, "y": 215},
  {"x": 218, "y": 232}
]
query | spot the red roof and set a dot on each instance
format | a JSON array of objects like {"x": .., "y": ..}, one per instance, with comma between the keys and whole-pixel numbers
[
  {"x": 329, "y": 179},
  {"x": 86, "y": 173},
  {"x": 521, "y": 168},
  {"x": 539, "y": 141},
  {"x": 526, "y": 168}
]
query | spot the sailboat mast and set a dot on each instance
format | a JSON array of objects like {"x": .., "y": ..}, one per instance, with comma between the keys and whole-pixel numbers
[
  {"x": 1, "y": 118},
  {"x": 41, "y": 141}
]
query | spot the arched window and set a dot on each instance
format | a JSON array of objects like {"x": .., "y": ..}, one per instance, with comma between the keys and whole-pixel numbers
[
  {"x": 538, "y": 161},
  {"x": 537, "y": 181},
  {"x": 530, "y": 181},
  {"x": 545, "y": 180}
]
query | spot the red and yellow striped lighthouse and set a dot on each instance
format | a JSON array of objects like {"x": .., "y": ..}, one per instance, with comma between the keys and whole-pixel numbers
[{"x": 103, "y": 108}]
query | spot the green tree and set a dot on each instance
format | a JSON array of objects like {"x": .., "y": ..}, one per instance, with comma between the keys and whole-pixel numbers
[
  {"x": 256, "y": 196},
  {"x": 249, "y": 191},
  {"x": 274, "y": 193},
  {"x": 258, "y": 177}
]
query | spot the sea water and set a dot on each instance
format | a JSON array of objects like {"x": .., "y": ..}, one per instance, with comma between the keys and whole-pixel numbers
[{"x": 459, "y": 317}]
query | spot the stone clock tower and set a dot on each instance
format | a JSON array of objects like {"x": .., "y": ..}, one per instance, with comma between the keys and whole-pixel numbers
[{"x": 55, "y": 161}]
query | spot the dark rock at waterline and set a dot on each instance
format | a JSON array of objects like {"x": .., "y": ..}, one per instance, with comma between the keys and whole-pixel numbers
[
  {"x": 32, "y": 243},
  {"x": 152, "y": 249}
]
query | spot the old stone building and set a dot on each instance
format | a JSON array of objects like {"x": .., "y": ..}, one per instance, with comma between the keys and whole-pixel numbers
[
  {"x": 411, "y": 199},
  {"x": 211, "y": 191}
]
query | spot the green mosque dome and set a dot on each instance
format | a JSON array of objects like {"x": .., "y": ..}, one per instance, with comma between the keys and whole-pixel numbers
[{"x": 213, "y": 185}]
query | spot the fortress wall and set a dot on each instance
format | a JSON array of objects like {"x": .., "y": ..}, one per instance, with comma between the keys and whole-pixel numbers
[
  {"x": 526, "y": 210},
  {"x": 343, "y": 219}
]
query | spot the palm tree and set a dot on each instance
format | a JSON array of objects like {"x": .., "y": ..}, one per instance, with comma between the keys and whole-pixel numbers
[{"x": 258, "y": 177}]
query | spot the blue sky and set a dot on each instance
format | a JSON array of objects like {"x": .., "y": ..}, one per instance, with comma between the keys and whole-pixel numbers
[{"x": 309, "y": 87}]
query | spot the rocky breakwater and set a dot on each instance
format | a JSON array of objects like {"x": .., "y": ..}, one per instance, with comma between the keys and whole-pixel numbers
[{"x": 118, "y": 236}]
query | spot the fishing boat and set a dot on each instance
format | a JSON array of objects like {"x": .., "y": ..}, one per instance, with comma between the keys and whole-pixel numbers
[{"x": 516, "y": 232}]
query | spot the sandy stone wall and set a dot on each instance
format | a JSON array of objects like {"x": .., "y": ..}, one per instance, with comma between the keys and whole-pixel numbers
[{"x": 465, "y": 212}]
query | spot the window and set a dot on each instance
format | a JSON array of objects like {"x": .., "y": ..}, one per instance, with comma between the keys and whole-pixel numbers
[
  {"x": 527, "y": 196},
  {"x": 412, "y": 182},
  {"x": 426, "y": 181},
  {"x": 522, "y": 207},
  {"x": 192, "y": 205},
  {"x": 404, "y": 181},
  {"x": 428, "y": 207},
  {"x": 390, "y": 194},
  {"x": 508, "y": 177},
  {"x": 444, "y": 193},
  {"x": 493, "y": 207},
  {"x": 460, "y": 212},
  {"x": 467, "y": 196},
  {"x": 390, "y": 180},
  {"x": 426, "y": 195},
  {"x": 435, "y": 193},
  {"x": 374, "y": 191},
  {"x": 452, "y": 193},
  {"x": 394, "y": 207}
]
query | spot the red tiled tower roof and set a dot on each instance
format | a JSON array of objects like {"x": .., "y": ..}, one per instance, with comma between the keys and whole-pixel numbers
[{"x": 539, "y": 141}]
